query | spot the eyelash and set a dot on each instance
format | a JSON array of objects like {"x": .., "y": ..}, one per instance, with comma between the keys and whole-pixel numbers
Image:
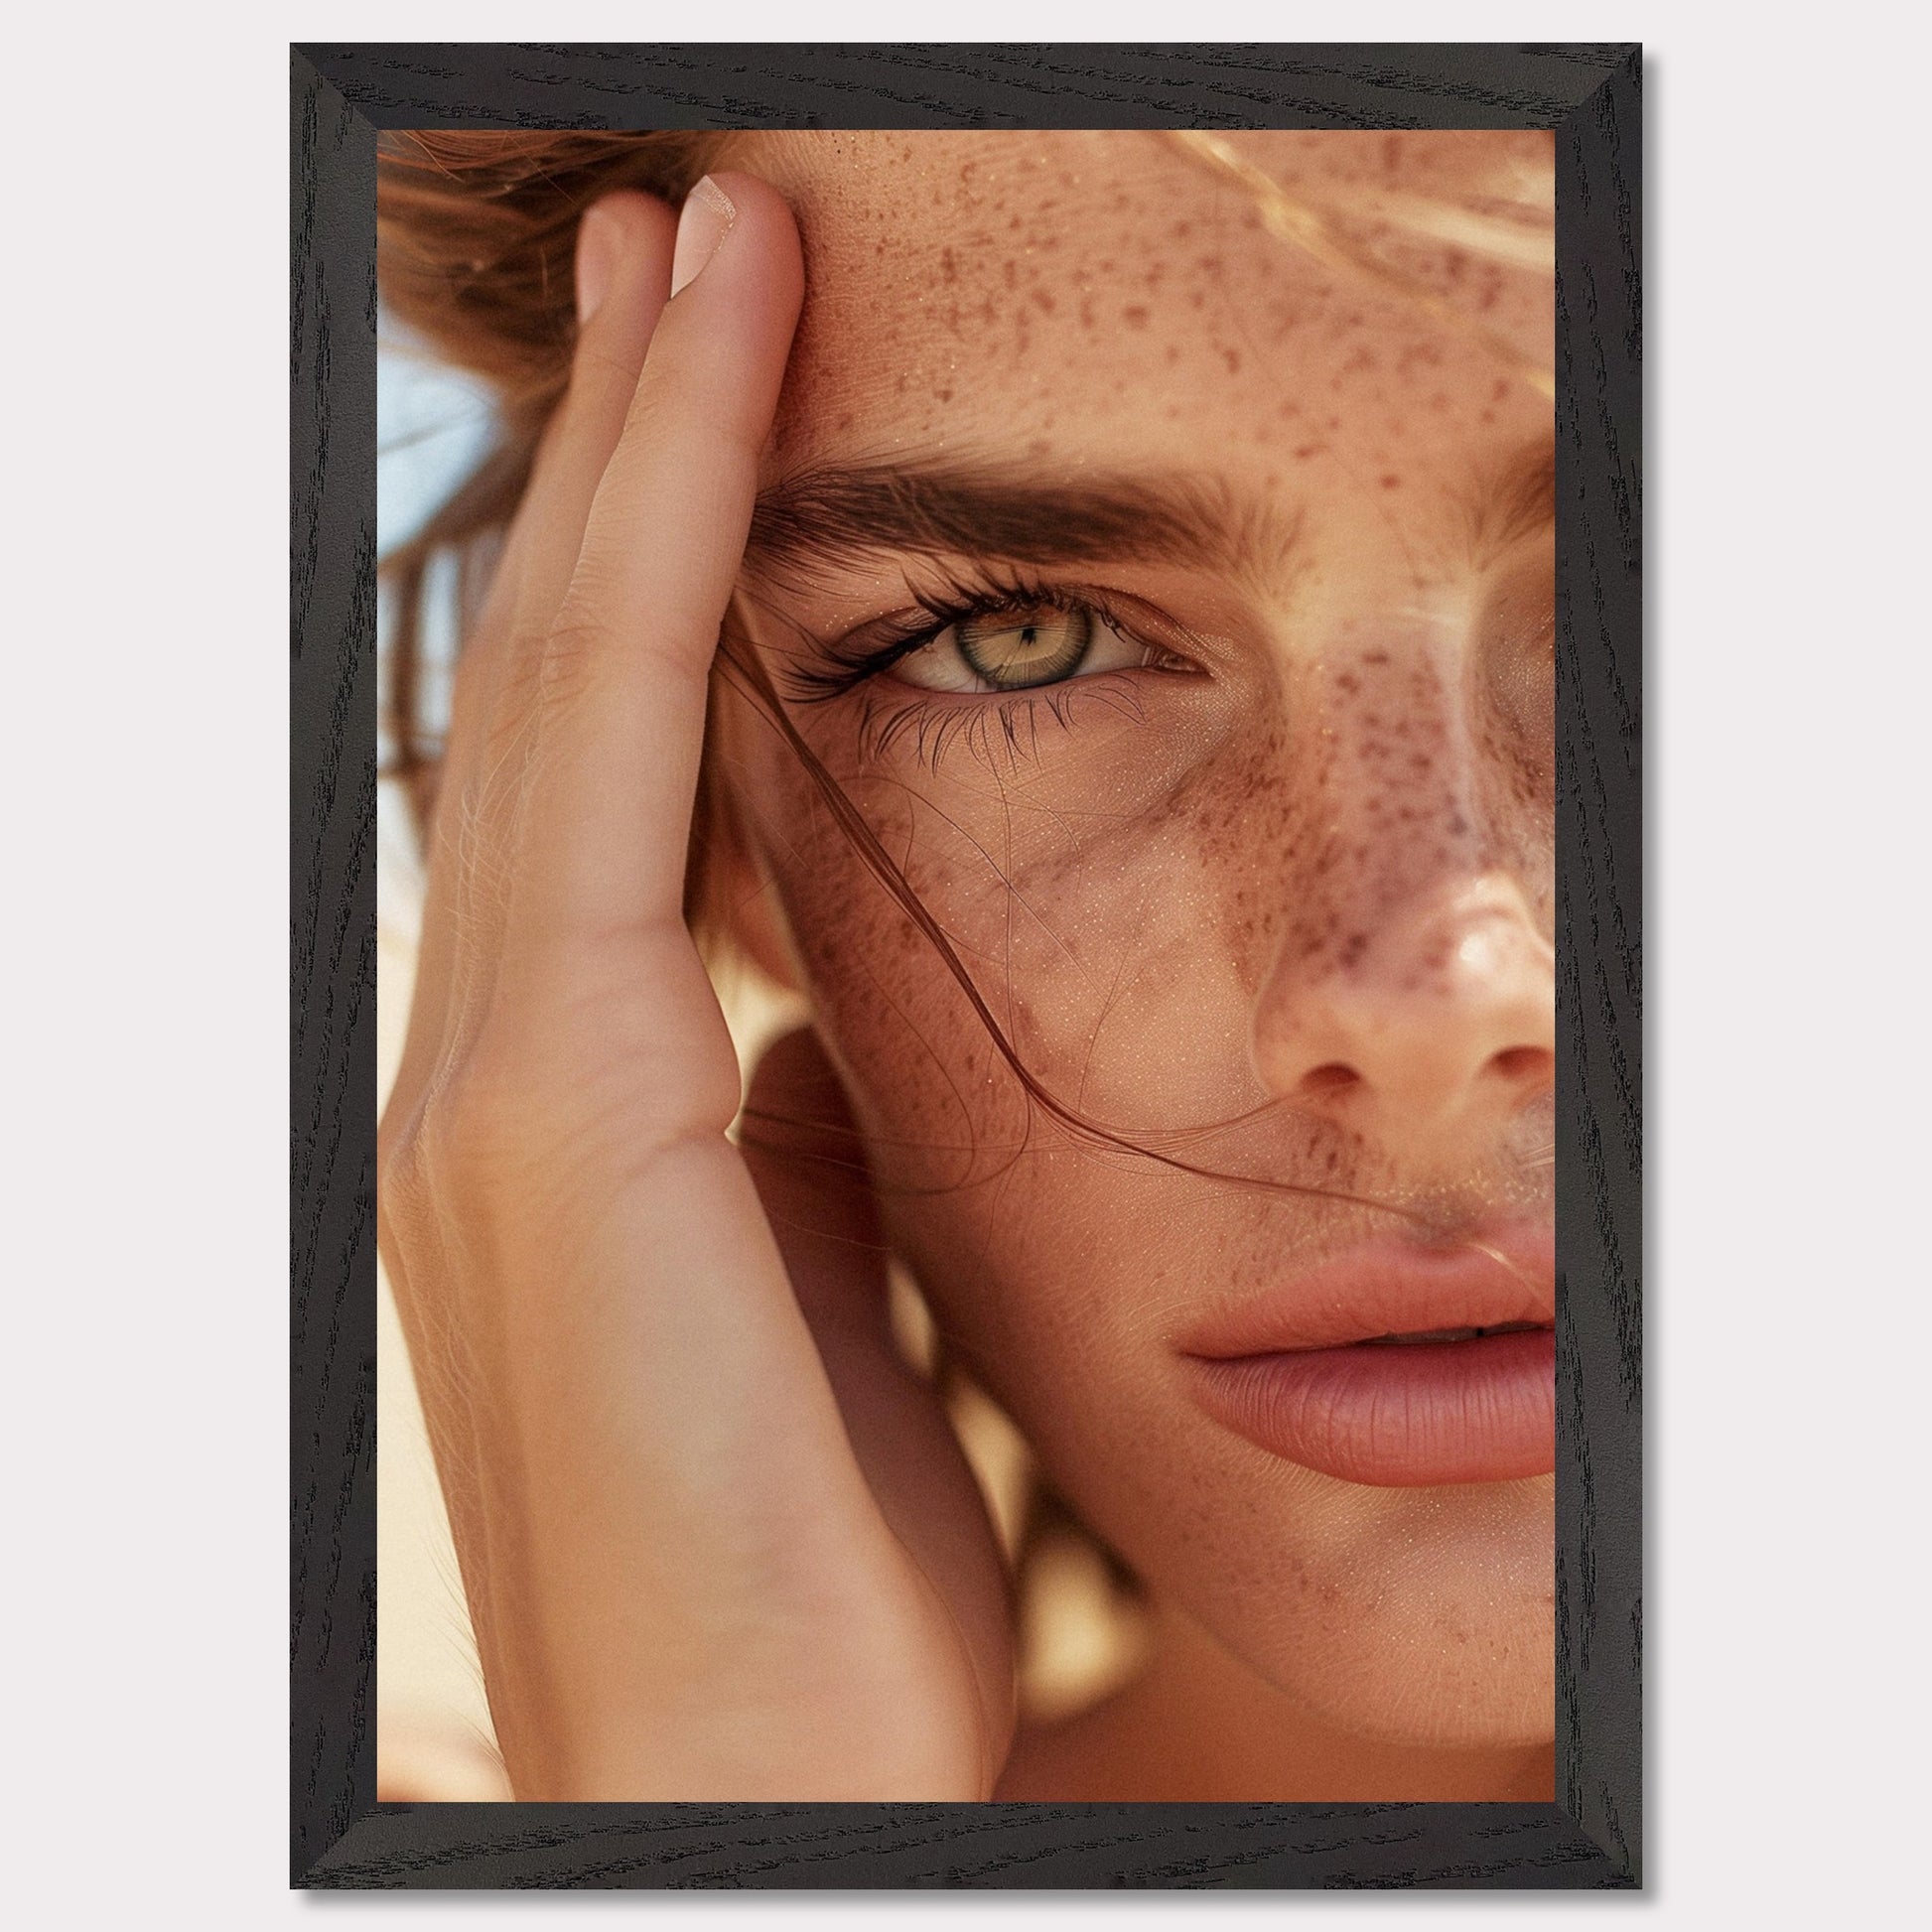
[
  {"x": 985, "y": 720},
  {"x": 992, "y": 729},
  {"x": 959, "y": 601}
]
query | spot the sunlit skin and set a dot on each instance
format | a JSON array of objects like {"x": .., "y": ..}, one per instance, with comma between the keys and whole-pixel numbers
[
  {"x": 1205, "y": 883},
  {"x": 1260, "y": 880}
]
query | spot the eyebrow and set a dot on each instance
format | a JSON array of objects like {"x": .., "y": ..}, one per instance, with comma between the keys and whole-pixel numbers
[
  {"x": 1517, "y": 499},
  {"x": 989, "y": 511}
]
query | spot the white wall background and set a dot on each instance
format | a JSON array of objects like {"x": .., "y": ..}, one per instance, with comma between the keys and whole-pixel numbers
[{"x": 145, "y": 1248}]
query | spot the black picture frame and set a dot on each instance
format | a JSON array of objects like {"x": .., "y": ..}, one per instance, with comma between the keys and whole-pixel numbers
[{"x": 341, "y": 1837}]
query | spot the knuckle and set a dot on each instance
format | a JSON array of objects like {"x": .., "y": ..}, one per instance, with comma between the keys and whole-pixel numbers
[
  {"x": 644, "y": 421},
  {"x": 550, "y": 670},
  {"x": 470, "y": 1133},
  {"x": 460, "y": 1138},
  {"x": 404, "y": 1194},
  {"x": 600, "y": 374},
  {"x": 575, "y": 647}
]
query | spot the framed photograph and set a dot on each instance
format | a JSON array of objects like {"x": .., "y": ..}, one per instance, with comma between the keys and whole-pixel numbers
[{"x": 986, "y": 735}]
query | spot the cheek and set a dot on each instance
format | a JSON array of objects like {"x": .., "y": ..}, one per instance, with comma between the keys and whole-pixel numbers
[
  {"x": 1114, "y": 907},
  {"x": 1114, "y": 935},
  {"x": 925, "y": 1077}
]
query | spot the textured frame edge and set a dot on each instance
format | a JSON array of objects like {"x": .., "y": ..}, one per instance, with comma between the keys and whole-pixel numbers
[{"x": 341, "y": 1839}]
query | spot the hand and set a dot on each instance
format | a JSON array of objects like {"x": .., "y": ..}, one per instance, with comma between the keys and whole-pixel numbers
[{"x": 718, "y": 1541}]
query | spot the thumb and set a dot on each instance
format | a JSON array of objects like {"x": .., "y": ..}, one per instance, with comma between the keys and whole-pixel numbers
[
  {"x": 800, "y": 1139},
  {"x": 808, "y": 1163}
]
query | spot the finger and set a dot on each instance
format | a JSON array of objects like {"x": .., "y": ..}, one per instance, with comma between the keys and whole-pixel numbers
[
  {"x": 622, "y": 684},
  {"x": 624, "y": 245},
  {"x": 624, "y": 265}
]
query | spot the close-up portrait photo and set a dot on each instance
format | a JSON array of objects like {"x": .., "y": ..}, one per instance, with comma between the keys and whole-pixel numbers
[{"x": 968, "y": 967}]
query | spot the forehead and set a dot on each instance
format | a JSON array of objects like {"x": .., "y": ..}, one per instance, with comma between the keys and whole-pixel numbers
[{"x": 1111, "y": 298}]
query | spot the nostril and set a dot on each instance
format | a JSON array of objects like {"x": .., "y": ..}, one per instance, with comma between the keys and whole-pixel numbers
[
  {"x": 1331, "y": 1077},
  {"x": 1521, "y": 1063}
]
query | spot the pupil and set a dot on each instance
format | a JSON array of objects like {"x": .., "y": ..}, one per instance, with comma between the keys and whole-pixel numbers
[{"x": 1010, "y": 652}]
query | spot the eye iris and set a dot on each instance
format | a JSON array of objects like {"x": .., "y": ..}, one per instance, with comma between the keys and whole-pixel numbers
[{"x": 1037, "y": 649}]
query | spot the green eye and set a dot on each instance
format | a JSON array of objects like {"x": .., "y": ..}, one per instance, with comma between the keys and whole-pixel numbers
[
  {"x": 1011, "y": 651},
  {"x": 1017, "y": 646}
]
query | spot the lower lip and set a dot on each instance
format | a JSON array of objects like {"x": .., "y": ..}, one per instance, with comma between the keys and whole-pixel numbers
[{"x": 1398, "y": 1415}]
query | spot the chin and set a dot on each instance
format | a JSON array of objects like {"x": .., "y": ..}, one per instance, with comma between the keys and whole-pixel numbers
[
  {"x": 1500, "y": 1695},
  {"x": 1424, "y": 1617}
]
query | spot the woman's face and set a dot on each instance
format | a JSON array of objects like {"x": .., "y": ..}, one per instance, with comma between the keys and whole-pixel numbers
[{"x": 1227, "y": 771}]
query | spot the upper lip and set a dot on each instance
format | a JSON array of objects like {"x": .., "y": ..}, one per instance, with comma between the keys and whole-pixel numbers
[{"x": 1487, "y": 1278}]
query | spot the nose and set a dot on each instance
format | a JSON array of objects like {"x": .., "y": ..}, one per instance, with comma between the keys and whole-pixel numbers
[
  {"x": 1433, "y": 1026},
  {"x": 1412, "y": 995}
]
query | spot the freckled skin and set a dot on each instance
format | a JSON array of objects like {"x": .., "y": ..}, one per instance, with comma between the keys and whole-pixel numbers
[{"x": 1153, "y": 897}]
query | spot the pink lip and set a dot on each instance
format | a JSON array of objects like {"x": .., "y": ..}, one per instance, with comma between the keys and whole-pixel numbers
[{"x": 1299, "y": 1373}]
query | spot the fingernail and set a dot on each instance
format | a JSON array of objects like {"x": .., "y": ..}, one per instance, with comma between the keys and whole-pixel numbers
[
  {"x": 597, "y": 261},
  {"x": 706, "y": 220}
]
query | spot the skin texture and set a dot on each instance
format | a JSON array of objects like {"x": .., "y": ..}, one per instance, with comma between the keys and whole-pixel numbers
[
  {"x": 1328, "y": 846},
  {"x": 1271, "y": 893}
]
